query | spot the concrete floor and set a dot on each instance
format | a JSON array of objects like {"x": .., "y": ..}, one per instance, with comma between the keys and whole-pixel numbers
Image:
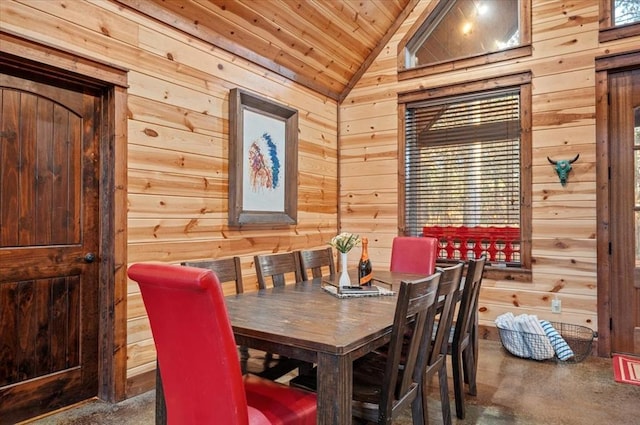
[{"x": 510, "y": 391}]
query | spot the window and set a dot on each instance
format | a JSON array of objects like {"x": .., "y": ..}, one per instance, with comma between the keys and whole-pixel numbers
[
  {"x": 457, "y": 33},
  {"x": 464, "y": 156},
  {"x": 625, "y": 12},
  {"x": 619, "y": 19}
]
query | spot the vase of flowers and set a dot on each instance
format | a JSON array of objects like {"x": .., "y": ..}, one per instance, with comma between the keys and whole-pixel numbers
[{"x": 343, "y": 243}]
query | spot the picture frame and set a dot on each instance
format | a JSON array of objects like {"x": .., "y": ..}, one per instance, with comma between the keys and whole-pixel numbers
[{"x": 263, "y": 161}]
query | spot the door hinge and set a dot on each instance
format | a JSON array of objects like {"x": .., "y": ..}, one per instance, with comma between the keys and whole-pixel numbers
[
  {"x": 609, "y": 172},
  {"x": 610, "y": 323},
  {"x": 610, "y": 248}
]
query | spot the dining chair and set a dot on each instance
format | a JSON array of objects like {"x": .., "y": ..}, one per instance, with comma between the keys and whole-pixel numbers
[
  {"x": 463, "y": 345},
  {"x": 450, "y": 280},
  {"x": 227, "y": 270},
  {"x": 315, "y": 260},
  {"x": 411, "y": 254},
  {"x": 279, "y": 267},
  {"x": 196, "y": 350},
  {"x": 384, "y": 389}
]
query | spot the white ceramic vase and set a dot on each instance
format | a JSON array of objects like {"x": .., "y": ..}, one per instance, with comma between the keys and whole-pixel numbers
[{"x": 344, "y": 274}]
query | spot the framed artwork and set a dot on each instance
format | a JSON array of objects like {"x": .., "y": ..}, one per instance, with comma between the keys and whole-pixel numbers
[{"x": 263, "y": 161}]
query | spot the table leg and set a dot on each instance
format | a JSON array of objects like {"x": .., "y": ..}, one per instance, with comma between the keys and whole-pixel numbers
[{"x": 335, "y": 386}]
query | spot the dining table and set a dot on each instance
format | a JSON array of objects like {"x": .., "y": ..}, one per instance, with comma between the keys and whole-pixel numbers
[{"x": 307, "y": 322}]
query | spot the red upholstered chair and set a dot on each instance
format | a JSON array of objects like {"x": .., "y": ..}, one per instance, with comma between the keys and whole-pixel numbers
[
  {"x": 198, "y": 359},
  {"x": 414, "y": 255}
]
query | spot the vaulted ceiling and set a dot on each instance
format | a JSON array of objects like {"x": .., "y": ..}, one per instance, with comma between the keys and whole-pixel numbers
[{"x": 325, "y": 45}]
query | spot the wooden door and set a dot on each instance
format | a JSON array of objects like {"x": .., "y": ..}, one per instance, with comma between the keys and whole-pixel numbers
[
  {"x": 624, "y": 204},
  {"x": 49, "y": 191}
]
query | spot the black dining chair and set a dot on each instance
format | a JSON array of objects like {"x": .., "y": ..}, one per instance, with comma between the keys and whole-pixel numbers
[
  {"x": 277, "y": 270},
  {"x": 226, "y": 269},
  {"x": 450, "y": 280},
  {"x": 316, "y": 260},
  {"x": 385, "y": 385},
  {"x": 463, "y": 344},
  {"x": 280, "y": 268}
]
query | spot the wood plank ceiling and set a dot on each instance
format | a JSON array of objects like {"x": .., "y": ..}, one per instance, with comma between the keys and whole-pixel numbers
[{"x": 325, "y": 45}]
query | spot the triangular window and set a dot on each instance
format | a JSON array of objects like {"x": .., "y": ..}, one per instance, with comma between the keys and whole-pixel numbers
[{"x": 456, "y": 30}]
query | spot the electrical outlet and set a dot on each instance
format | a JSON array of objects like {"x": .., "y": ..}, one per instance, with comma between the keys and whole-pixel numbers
[{"x": 556, "y": 306}]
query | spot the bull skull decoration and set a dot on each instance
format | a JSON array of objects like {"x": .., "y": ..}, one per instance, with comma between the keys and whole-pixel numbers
[{"x": 563, "y": 166}]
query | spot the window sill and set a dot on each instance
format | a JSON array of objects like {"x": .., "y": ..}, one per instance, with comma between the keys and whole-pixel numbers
[
  {"x": 516, "y": 274},
  {"x": 617, "y": 33},
  {"x": 426, "y": 70}
]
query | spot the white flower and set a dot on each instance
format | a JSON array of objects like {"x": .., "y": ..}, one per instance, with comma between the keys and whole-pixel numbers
[{"x": 345, "y": 241}]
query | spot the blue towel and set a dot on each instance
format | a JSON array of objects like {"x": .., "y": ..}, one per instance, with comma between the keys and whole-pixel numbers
[{"x": 560, "y": 346}]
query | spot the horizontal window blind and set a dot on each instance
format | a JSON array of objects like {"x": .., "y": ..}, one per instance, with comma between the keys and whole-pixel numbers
[{"x": 462, "y": 162}]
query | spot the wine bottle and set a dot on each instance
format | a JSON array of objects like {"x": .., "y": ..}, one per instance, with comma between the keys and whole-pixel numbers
[{"x": 365, "y": 271}]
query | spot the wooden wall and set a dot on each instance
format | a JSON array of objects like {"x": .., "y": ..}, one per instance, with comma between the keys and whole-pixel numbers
[
  {"x": 178, "y": 144},
  {"x": 565, "y": 43}
]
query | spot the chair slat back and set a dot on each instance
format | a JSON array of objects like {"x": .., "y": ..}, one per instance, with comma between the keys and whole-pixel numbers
[
  {"x": 226, "y": 269},
  {"x": 315, "y": 260},
  {"x": 278, "y": 267},
  {"x": 450, "y": 281},
  {"x": 469, "y": 300},
  {"x": 416, "y": 302}
]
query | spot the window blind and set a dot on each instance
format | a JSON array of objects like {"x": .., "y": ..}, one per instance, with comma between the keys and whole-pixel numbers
[{"x": 462, "y": 161}]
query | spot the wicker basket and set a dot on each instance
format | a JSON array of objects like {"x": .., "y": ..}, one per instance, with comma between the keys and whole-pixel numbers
[{"x": 579, "y": 338}]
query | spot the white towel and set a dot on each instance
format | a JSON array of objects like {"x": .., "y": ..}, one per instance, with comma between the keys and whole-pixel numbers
[
  {"x": 535, "y": 337},
  {"x": 513, "y": 340}
]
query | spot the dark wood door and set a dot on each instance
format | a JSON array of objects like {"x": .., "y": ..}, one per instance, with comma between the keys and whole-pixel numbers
[
  {"x": 48, "y": 241},
  {"x": 624, "y": 204}
]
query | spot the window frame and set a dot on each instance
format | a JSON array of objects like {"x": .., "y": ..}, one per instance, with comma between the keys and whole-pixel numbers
[
  {"x": 610, "y": 32},
  {"x": 524, "y": 49},
  {"x": 521, "y": 81}
]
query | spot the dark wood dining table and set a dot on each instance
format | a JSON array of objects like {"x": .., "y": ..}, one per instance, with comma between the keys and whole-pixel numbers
[{"x": 305, "y": 322}]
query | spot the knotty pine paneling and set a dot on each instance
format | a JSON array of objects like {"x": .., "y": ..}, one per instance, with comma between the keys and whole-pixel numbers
[
  {"x": 559, "y": 138},
  {"x": 178, "y": 141},
  {"x": 362, "y": 145},
  {"x": 552, "y": 283},
  {"x": 544, "y": 12},
  {"x": 140, "y": 353},
  {"x": 170, "y": 116},
  {"x": 555, "y": 210},
  {"x": 138, "y": 329},
  {"x": 563, "y": 228},
  {"x": 580, "y": 304},
  {"x": 553, "y": 191},
  {"x": 561, "y": 100},
  {"x": 565, "y": 45}
]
